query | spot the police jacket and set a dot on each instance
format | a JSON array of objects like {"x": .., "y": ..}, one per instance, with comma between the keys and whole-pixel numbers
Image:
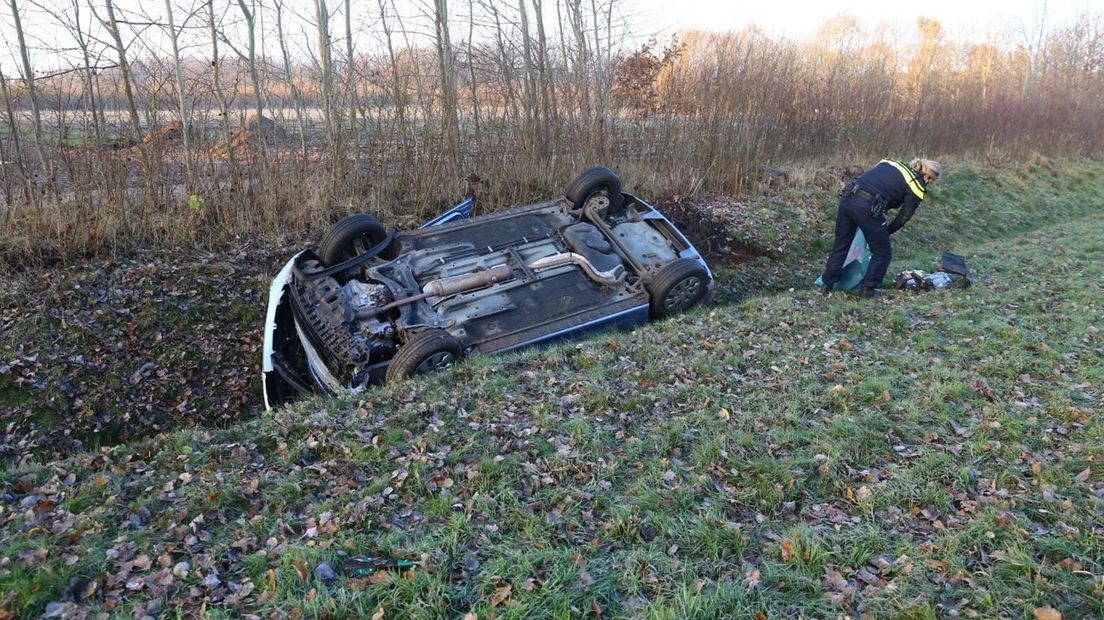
[{"x": 898, "y": 185}]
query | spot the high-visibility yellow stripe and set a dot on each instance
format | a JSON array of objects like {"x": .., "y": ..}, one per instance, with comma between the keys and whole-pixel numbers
[{"x": 910, "y": 177}]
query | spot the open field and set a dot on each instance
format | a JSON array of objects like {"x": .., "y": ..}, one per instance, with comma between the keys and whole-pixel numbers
[{"x": 937, "y": 455}]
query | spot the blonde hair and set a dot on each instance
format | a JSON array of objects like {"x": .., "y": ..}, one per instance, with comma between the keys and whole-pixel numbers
[{"x": 927, "y": 166}]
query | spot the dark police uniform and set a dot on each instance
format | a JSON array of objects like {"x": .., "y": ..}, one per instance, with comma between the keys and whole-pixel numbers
[{"x": 863, "y": 203}]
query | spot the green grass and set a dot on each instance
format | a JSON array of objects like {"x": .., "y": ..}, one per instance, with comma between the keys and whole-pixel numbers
[{"x": 786, "y": 455}]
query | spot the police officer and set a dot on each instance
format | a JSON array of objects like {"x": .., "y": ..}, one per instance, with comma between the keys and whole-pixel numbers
[{"x": 863, "y": 203}]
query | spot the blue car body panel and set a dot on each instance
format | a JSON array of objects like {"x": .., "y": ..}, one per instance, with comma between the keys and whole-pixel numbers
[{"x": 461, "y": 211}]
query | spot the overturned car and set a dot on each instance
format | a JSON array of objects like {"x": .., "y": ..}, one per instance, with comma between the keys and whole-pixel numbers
[{"x": 369, "y": 306}]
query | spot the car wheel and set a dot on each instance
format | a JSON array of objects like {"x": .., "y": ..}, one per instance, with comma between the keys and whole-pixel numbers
[
  {"x": 592, "y": 181},
  {"x": 425, "y": 352},
  {"x": 352, "y": 237},
  {"x": 680, "y": 285}
]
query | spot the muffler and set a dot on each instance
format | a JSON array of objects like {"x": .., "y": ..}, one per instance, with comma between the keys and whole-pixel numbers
[{"x": 443, "y": 287}]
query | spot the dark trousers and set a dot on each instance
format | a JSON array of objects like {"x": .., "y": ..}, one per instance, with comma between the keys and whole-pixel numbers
[{"x": 854, "y": 213}]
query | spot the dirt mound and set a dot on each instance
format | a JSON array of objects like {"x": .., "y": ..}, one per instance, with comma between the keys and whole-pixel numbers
[
  {"x": 248, "y": 138},
  {"x": 165, "y": 135}
]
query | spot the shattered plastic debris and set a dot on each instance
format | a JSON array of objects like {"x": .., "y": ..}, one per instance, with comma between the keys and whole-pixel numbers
[
  {"x": 912, "y": 279},
  {"x": 950, "y": 271},
  {"x": 937, "y": 280}
]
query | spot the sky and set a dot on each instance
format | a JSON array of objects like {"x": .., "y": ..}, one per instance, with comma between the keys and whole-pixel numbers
[
  {"x": 797, "y": 19},
  {"x": 982, "y": 20}
]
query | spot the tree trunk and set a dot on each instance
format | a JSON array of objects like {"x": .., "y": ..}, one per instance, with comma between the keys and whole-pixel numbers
[
  {"x": 185, "y": 122},
  {"x": 8, "y": 198},
  {"x": 135, "y": 121},
  {"x": 528, "y": 87},
  {"x": 220, "y": 96},
  {"x": 28, "y": 77},
  {"x": 350, "y": 84},
  {"x": 124, "y": 69},
  {"x": 86, "y": 74},
  {"x": 398, "y": 95},
  {"x": 471, "y": 76},
  {"x": 324, "y": 47},
  {"x": 258, "y": 102},
  {"x": 582, "y": 74},
  {"x": 448, "y": 84},
  {"x": 291, "y": 80},
  {"x": 547, "y": 86},
  {"x": 13, "y": 126},
  {"x": 505, "y": 67},
  {"x": 571, "y": 106}
]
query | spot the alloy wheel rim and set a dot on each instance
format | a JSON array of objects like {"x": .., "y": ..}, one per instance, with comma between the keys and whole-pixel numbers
[{"x": 683, "y": 294}]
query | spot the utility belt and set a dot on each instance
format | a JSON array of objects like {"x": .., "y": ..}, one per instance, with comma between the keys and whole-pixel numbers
[{"x": 877, "y": 201}]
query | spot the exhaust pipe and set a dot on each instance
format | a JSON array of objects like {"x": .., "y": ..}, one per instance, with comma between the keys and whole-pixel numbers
[
  {"x": 609, "y": 278},
  {"x": 443, "y": 287}
]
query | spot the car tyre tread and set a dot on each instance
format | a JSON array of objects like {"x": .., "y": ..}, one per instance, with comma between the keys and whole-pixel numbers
[
  {"x": 591, "y": 181},
  {"x": 335, "y": 243}
]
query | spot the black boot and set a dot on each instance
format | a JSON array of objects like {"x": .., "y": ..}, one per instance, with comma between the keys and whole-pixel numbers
[
  {"x": 826, "y": 289},
  {"x": 873, "y": 293}
]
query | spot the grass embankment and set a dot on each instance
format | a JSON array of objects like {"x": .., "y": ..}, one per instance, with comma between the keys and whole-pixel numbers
[
  {"x": 787, "y": 455},
  {"x": 117, "y": 349}
]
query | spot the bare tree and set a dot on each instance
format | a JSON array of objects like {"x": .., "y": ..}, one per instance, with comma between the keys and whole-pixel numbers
[
  {"x": 528, "y": 74},
  {"x": 547, "y": 88},
  {"x": 350, "y": 82},
  {"x": 324, "y": 58},
  {"x": 448, "y": 83},
  {"x": 581, "y": 62},
  {"x": 185, "y": 116},
  {"x": 290, "y": 69},
  {"x": 29, "y": 79},
  {"x": 70, "y": 18},
  {"x": 220, "y": 95},
  {"x": 504, "y": 59},
  {"x": 9, "y": 200},
  {"x": 398, "y": 93},
  {"x": 13, "y": 126},
  {"x": 474, "y": 82},
  {"x": 112, "y": 26},
  {"x": 251, "y": 29}
]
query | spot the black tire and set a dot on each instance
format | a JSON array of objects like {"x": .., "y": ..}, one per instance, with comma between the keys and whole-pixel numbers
[
  {"x": 425, "y": 352},
  {"x": 680, "y": 285},
  {"x": 592, "y": 181},
  {"x": 351, "y": 237}
]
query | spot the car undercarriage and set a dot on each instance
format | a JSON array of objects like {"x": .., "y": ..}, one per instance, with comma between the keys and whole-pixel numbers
[{"x": 370, "y": 306}]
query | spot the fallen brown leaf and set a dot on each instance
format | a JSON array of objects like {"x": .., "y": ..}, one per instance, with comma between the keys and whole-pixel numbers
[
  {"x": 938, "y": 565},
  {"x": 863, "y": 493},
  {"x": 1070, "y": 564},
  {"x": 501, "y": 594},
  {"x": 787, "y": 551},
  {"x": 1046, "y": 613}
]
